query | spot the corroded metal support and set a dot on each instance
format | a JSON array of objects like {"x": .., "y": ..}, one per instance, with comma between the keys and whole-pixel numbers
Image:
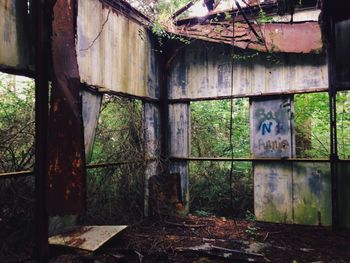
[
  {"x": 332, "y": 93},
  {"x": 41, "y": 133},
  {"x": 67, "y": 175}
]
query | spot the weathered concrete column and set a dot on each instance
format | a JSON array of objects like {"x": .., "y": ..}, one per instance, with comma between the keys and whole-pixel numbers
[
  {"x": 179, "y": 146},
  {"x": 151, "y": 119}
]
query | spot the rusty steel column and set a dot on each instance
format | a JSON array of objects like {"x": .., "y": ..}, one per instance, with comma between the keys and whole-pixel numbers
[
  {"x": 328, "y": 13},
  {"x": 41, "y": 133}
]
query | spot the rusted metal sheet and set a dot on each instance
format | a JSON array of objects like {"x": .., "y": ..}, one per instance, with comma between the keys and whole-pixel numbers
[
  {"x": 151, "y": 118},
  {"x": 91, "y": 111},
  {"x": 66, "y": 179},
  {"x": 88, "y": 238},
  {"x": 114, "y": 51},
  {"x": 271, "y": 127},
  {"x": 290, "y": 38},
  {"x": 16, "y": 41},
  {"x": 342, "y": 54},
  {"x": 202, "y": 70},
  {"x": 277, "y": 37},
  {"x": 179, "y": 145}
]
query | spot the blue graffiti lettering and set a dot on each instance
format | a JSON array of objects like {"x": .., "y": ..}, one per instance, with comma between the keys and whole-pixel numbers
[{"x": 266, "y": 128}]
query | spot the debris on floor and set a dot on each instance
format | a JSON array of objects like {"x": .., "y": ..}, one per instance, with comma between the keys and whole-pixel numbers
[{"x": 213, "y": 239}]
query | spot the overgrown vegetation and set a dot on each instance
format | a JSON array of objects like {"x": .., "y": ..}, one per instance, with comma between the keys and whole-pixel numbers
[
  {"x": 16, "y": 154},
  {"x": 115, "y": 193},
  {"x": 210, "y": 190}
]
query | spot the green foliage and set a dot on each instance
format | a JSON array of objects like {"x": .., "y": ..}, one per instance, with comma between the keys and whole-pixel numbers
[
  {"x": 17, "y": 123},
  {"x": 16, "y": 153},
  {"x": 250, "y": 216},
  {"x": 343, "y": 127},
  {"x": 115, "y": 194},
  {"x": 211, "y": 128},
  {"x": 312, "y": 125},
  {"x": 264, "y": 18},
  {"x": 252, "y": 231}
]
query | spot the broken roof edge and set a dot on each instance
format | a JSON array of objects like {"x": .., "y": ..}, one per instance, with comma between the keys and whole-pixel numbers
[
  {"x": 129, "y": 11},
  {"x": 278, "y": 35},
  {"x": 302, "y": 38},
  {"x": 251, "y": 11}
]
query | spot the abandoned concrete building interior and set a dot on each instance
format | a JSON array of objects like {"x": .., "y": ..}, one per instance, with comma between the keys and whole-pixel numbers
[{"x": 256, "y": 57}]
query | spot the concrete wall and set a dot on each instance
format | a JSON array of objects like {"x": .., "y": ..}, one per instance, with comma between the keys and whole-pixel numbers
[
  {"x": 152, "y": 138},
  {"x": 115, "y": 52},
  {"x": 202, "y": 70},
  {"x": 179, "y": 145},
  {"x": 285, "y": 192},
  {"x": 16, "y": 37}
]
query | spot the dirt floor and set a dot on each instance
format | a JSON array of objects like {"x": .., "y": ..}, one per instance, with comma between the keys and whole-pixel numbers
[{"x": 212, "y": 239}]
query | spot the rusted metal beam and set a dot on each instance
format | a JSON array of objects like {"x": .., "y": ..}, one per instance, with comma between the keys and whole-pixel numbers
[
  {"x": 182, "y": 9},
  {"x": 328, "y": 15},
  {"x": 89, "y": 166},
  {"x": 41, "y": 131},
  {"x": 228, "y": 159},
  {"x": 67, "y": 174},
  {"x": 16, "y": 174},
  {"x": 199, "y": 159},
  {"x": 289, "y": 92},
  {"x": 124, "y": 95}
]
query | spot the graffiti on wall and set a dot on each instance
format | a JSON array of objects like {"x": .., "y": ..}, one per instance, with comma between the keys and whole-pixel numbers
[{"x": 271, "y": 122}]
